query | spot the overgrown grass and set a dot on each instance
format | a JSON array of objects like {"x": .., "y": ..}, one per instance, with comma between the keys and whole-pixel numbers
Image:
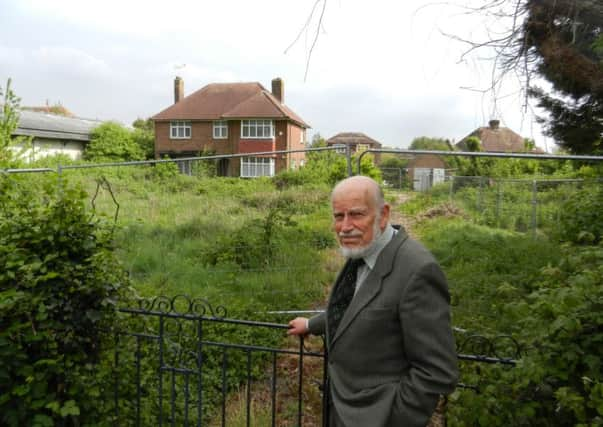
[{"x": 487, "y": 268}]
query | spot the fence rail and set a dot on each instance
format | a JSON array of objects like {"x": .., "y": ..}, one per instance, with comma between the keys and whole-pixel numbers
[{"x": 173, "y": 367}]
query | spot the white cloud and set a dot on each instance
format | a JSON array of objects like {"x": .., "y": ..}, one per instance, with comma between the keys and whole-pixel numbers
[{"x": 70, "y": 61}]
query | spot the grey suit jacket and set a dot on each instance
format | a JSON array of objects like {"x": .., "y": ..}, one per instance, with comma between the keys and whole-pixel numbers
[{"x": 393, "y": 353}]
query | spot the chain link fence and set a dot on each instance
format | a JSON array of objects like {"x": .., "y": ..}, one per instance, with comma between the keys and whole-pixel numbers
[{"x": 524, "y": 205}]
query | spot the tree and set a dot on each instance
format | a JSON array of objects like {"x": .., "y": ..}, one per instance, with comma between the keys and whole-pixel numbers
[
  {"x": 562, "y": 42},
  {"x": 9, "y": 121},
  {"x": 427, "y": 143},
  {"x": 111, "y": 142},
  {"x": 318, "y": 141},
  {"x": 144, "y": 136}
]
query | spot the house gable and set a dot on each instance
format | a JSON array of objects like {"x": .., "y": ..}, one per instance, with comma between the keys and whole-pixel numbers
[{"x": 240, "y": 108}]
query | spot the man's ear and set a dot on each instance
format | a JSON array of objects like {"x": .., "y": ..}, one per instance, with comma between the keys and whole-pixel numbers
[{"x": 384, "y": 216}]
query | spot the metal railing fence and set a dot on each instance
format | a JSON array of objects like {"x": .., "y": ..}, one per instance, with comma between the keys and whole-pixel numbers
[{"x": 182, "y": 362}]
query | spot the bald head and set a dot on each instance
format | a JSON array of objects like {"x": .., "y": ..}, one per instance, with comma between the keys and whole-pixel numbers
[{"x": 360, "y": 184}]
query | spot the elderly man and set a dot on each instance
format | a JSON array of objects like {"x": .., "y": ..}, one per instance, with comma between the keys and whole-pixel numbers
[{"x": 387, "y": 323}]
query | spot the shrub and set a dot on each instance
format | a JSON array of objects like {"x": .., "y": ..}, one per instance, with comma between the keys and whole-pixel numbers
[
  {"x": 111, "y": 142},
  {"x": 581, "y": 218},
  {"x": 558, "y": 381},
  {"x": 59, "y": 282}
]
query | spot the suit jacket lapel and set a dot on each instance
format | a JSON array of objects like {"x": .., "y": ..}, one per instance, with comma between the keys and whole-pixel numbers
[{"x": 372, "y": 284}]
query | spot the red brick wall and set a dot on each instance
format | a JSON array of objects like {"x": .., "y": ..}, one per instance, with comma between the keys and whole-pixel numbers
[
  {"x": 287, "y": 137},
  {"x": 201, "y": 139},
  {"x": 295, "y": 133}
]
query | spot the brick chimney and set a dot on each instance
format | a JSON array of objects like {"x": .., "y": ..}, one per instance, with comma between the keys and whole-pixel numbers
[
  {"x": 278, "y": 89},
  {"x": 178, "y": 89},
  {"x": 494, "y": 124}
]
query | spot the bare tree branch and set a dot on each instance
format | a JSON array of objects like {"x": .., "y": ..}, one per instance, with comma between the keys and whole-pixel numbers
[{"x": 306, "y": 28}]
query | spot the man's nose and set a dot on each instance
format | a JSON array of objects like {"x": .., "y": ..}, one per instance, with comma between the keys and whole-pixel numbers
[{"x": 346, "y": 223}]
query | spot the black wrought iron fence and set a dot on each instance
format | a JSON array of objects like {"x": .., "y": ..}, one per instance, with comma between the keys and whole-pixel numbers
[{"x": 183, "y": 362}]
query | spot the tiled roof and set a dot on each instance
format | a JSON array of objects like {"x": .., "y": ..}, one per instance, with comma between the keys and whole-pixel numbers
[
  {"x": 497, "y": 139},
  {"x": 353, "y": 138},
  {"x": 229, "y": 101},
  {"x": 43, "y": 125}
]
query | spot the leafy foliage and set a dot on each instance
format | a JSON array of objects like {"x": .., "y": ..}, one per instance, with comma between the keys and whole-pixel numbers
[
  {"x": 566, "y": 37},
  {"x": 59, "y": 282},
  {"x": 111, "y": 142},
  {"x": 427, "y": 143},
  {"x": 143, "y": 136},
  {"x": 9, "y": 121},
  {"x": 581, "y": 219},
  {"x": 326, "y": 167},
  {"x": 558, "y": 380}
]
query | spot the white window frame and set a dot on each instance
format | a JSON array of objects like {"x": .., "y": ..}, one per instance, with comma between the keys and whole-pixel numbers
[
  {"x": 254, "y": 167},
  {"x": 302, "y": 137},
  {"x": 180, "y": 129},
  {"x": 220, "y": 129},
  {"x": 257, "y": 129}
]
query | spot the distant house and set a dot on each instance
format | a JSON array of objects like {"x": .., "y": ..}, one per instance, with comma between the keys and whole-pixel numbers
[
  {"x": 357, "y": 141},
  {"x": 498, "y": 140},
  {"x": 54, "y": 134},
  {"x": 426, "y": 170},
  {"x": 232, "y": 118}
]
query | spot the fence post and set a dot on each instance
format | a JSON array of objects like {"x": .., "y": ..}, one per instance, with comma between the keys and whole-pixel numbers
[
  {"x": 60, "y": 180},
  {"x": 451, "y": 192},
  {"x": 498, "y": 201},
  {"x": 534, "y": 204},
  {"x": 399, "y": 178},
  {"x": 479, "y": 194},
  {"x": 348, "y": 155}
]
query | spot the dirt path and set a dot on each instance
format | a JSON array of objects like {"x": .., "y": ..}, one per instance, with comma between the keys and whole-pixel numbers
[{"x": 398, "y": 218}]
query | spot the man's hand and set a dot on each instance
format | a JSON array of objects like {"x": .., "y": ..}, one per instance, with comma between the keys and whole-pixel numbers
[{"x": 298, "y": 326}]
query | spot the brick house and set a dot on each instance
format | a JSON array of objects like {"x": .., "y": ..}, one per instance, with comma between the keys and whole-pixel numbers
[
  {"x": 357, "y": 141},
  {"x": 232, "y": 118},
  {"x": 495, "y": 138}
]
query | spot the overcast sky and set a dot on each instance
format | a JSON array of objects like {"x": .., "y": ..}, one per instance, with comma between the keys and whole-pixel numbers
[{"x": 383, "y": 68}]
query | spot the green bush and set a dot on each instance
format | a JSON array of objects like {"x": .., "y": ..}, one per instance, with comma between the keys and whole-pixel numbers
[
  {"x": 59, "y": 284},
  {"x": 558, "y": 381},
  {"x": 111, "y": 142},
  {"x": 581, "y": 218}
]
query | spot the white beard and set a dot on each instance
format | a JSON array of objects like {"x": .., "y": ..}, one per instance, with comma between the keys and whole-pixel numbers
[{"x": 360, "y": 252}]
